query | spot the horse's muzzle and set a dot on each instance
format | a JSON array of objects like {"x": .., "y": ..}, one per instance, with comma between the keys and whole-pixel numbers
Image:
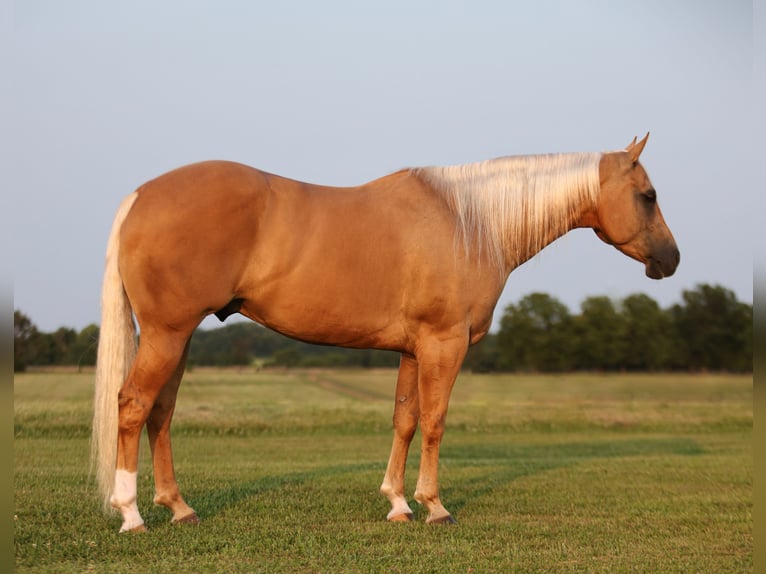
[{"x": 663, "y": 264}]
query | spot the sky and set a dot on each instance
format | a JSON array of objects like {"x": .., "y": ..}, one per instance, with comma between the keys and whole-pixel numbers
[{"x": 105, "y": 96}]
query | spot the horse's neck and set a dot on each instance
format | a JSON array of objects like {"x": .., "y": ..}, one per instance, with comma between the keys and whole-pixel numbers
[
  {"x": 526, "y": 245},
  {"x": 511, "y": 208}
]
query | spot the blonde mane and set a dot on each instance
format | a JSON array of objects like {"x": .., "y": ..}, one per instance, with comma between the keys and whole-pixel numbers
[{"x": 514, "y": 206}]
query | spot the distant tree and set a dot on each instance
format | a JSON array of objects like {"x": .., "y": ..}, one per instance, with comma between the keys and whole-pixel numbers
[
  {"x": 242, "y": 343},
  {"x": 41, "y": 350},
  {"x": 238, "y": 353},
  {"x": 647, "y": 333},
  {"x": 61, "y": 345},
  {"x": 535, "y": 335},
  {"x": 237, "y": 343},
  {"x": 599, "y": 335},
  {"x": 747, "y": 347},
  {"x": 715, "y": 330},
  {"x": 82, "y": 350},
  {"x": 25, "y": 335},
  {"x": 288, "y": 357},
  {"x": 380, "y": 359},
  {"x": 484, "y": 357},
  {"x": 52, "y": 348}
]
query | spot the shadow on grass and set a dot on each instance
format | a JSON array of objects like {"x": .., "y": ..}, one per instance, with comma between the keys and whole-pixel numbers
[
  {"x": 512, "y": 462},
  {"x": 509, "y": 462},
  {"x": 210, "y": 502}
]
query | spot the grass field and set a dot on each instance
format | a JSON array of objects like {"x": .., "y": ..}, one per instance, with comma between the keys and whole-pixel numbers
[{"x": 569, "y": 473}]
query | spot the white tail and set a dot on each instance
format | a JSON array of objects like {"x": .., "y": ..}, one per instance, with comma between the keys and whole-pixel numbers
[{"x": 116, "y": 351}]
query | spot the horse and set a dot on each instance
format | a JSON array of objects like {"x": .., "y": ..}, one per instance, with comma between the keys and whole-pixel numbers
[{"x": 412, "y": 262}]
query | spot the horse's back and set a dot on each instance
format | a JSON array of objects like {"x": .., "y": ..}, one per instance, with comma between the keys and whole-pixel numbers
[{"x": 201, "y": 186}]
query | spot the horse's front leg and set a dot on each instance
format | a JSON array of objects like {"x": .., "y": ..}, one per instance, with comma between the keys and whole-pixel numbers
[
  {"x": 438, "y": 367},
  {"x": 406, "y": 414}
]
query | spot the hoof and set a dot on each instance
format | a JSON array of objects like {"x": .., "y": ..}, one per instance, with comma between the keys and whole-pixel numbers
[
  {"x": 135, "y": 529},
  {"x": 188, "y": 519},
  {"x": 406, "y": 517},
  {"x": 447, "y": 519}
]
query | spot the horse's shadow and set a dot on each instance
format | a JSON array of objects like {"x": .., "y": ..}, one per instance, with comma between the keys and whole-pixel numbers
[{"x": 508, "y": 463}]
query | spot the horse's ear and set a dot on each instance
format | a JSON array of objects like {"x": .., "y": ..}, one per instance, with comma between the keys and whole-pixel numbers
[{"x": 634, "y": 149}]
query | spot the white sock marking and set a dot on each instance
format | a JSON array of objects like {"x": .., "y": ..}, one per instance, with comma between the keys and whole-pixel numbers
[{"x": 124, "y": 499}]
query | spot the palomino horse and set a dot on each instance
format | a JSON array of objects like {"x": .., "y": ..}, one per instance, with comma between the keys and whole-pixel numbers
[{"x": 412, "y": 262}]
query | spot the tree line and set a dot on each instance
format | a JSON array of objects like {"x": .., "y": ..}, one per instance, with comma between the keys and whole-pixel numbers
[{"x": 709, "y": 330}]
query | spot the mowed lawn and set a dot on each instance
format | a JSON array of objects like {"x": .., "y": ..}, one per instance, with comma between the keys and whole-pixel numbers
[{"x": 566, "y": 473}]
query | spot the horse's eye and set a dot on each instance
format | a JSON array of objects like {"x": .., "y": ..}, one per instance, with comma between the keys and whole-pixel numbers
[{"x": 650, "y": 196}]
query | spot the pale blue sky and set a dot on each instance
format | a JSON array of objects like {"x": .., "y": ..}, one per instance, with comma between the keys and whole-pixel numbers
[{"x": 107, "y": 96}]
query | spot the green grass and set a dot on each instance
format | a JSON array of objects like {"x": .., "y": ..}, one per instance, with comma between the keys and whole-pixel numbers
[{"x": 570, "y": 473}]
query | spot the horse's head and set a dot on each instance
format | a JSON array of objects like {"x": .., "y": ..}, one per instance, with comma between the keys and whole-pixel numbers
[{"x": 628, "y": 216}]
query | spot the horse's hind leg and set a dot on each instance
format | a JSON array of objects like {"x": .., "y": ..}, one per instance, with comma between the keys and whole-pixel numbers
[
  {"x": 406, "y": 414},
  {"x": 156, "y": 362},
  {"x": 158, "y": 428}
]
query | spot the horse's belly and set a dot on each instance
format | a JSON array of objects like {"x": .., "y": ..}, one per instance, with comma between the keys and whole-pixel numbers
[{"x": 328, "y": 322}]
